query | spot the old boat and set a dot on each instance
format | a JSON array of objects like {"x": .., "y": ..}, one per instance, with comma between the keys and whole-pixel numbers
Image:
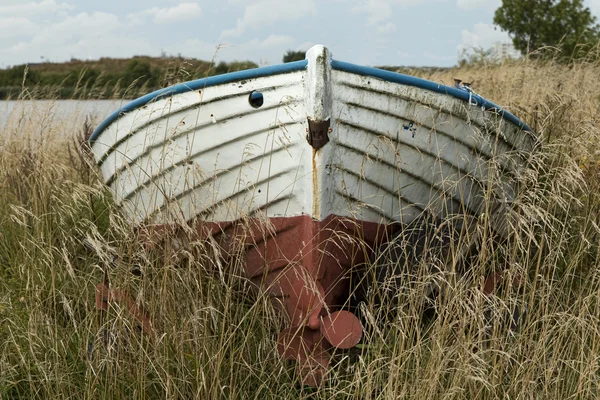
[{"x": 308, "y": 164}]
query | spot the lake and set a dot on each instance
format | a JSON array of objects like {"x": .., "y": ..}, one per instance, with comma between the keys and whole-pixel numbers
[{"x": 60, "y": 117}]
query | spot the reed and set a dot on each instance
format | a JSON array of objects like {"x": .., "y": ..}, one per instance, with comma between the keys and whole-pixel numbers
[{"x": 213, "y": 337}]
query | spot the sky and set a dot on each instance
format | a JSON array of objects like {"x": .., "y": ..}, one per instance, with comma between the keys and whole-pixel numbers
[{"x": 368, "y": 32}]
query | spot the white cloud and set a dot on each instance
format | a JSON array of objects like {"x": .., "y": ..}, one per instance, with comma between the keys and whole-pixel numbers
[
  {"x": 378, "y": 11},
  {"x": 93, "y": 35},
  {"x": 30, "y": 9},
  {"x": 17, "y": 27},
  {"x": 471, "y": 4},
  {"x": 272, "y": 44},
  {"x": 270, "y": 48},
  {"x": 182, "y": 12},
  {"x": 82, "y": 35},
  {"x": 265, "y": 12},
  {"x": 481, "y": 36},
  {"x": 77, "y": 27},
  {"x": 386, "y": 29},
  {"x": 275, "y": 41}
]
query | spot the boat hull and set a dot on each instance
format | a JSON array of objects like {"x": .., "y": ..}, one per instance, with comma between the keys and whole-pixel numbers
[{"x": 307, "y": 168}]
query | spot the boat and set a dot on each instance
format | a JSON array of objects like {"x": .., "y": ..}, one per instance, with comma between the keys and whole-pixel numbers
[{"x": 310, "y": 165}]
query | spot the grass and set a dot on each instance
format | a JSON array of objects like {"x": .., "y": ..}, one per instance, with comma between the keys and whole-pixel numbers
[{"x": 60, "y": 235}]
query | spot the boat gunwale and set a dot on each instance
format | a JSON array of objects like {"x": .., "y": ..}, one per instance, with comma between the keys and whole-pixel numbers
[
  {"x": 425, "y": 84},
  {"x": 388, "y": 76},
  {"x": 197, "y": 84}
]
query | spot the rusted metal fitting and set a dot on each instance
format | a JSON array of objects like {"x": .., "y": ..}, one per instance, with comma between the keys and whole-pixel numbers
[{"x": 318, "y": 133}]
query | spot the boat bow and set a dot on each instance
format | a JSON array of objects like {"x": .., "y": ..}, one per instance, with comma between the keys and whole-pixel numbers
[{"x": 311, "y": 165}]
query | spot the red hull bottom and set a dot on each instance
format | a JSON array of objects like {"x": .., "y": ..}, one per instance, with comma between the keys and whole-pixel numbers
[{"x": 304, "y": 266}]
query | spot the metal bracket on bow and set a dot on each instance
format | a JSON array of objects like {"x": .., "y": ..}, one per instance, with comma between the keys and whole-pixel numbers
[{"x": 318, "y": 133}]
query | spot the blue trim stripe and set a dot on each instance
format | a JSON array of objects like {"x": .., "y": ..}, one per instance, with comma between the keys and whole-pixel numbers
[
  {"x": 198, "y": 85},
  {"x": 459, "y": 93},
  {"x": 408, "y": 80}
]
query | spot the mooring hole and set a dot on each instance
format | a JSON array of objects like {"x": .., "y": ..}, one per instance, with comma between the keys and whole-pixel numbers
[{"x": 256, "y": 99}]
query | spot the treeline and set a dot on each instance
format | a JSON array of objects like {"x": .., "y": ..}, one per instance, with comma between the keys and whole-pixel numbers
[
  {"x": 107, "y": 77},
  {"x": 116, "y": 78}
]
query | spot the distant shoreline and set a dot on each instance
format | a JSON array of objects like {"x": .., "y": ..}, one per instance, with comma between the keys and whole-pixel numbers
[{"x": 111, "y": 78}]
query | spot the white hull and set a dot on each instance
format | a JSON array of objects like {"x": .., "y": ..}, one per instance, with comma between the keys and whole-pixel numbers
[{"x": 394, "y": 150}]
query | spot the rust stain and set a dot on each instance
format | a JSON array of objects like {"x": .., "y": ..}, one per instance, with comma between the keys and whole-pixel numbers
[{"x": 316, "y": 211}]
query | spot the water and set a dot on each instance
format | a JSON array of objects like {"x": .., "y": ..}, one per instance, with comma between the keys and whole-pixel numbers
[{"x": 53, "y": 116}]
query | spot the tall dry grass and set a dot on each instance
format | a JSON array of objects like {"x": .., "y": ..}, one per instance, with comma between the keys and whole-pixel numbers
[{"x": 60, "y": 235}]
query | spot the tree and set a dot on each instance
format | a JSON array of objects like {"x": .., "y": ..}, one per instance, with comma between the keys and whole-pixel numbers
[
  {"x": 18, "y": 75},
  {"x": 292, "y": 55},
  {"x": 138, "y": 70},
  {"x": 533, "y": 24},
  {"x": 223, "y": 67},
  {"x": 478, "y": 56}
]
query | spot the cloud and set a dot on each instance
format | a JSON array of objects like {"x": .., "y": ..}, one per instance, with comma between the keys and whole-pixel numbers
[
  {"x": 182, "y": 12},
  {"x": 30, "y": 9},
  {"x": 84, "y": 35},
  {"x": 481, "y": 36},
  {"x": 386, "y": 29},
  {"x": 59, "y": 36},
  {"x": 22, "y": 20},
  {"x": 275, "y": 41},
  {"x": 266, "y": 51},
  {"x": 378, "y": 11},
  {"x": 265, "y": 12},
  {"x": 77, "y": 27},
  {"x": 17, "y": 27},
  {"x": 472, "y": 4},
  {"x": 50, "y": 29},
  {"x": 273, "y": 44}
]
